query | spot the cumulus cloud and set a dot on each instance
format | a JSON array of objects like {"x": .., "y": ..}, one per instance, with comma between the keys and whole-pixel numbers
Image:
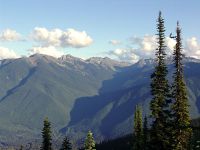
[
  {"x": 192, "y": 48},
  {"x": 126, "y": 55},
  {"x": 75, "y": 39},
  {"x": 6, "y": 53},
  {"x": 59, "y": 38},
  {"x": 170, "y": 43},
  {"x": 141, "y": 47},
  {"x": 10, "y": 35},
  {"x": 114, "y": 42},
  {"x": 50, "y": 50},
  {"x": 146, "y": 45}
]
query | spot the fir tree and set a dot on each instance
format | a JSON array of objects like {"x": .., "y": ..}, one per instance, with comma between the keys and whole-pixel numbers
[
  {"x": 21, "y": 147},
  {"x": 89, "y": 142},
  {"x": 66, "y": 145},
  {"x": 197, "y": 145},
  {"x": 46, "y": 135},
  {"x": 182, "y": 130},
  {"x": 159, "y": 106},
  {"x": 145, "y": 133},
  {"x": 138, "y": 129}
]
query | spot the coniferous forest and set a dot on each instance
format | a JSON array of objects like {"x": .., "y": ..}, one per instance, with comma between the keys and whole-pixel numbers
[{"x": 168, "y": 127}]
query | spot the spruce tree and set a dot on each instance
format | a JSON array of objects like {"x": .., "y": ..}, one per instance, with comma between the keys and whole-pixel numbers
[
  {"x": 159, "y": 106},
  {"x": 46, "y": 135},
  {"x": 145, "y": 133},
  {"x": 182, "y": 130},
  {"x": 21, "y": 147},
  {"x": 89, "y": 142},
  {"x": 138, "y": 129},
  {"x": 66, "y": 145}
]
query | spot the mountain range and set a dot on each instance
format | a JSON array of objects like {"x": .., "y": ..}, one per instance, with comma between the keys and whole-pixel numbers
[{"x": 77, "y": 95}]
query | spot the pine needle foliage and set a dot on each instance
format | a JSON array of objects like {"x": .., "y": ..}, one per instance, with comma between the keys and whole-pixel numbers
[
  {"x": 66, "y": 145},
  {"x": 138, "y": 129},
  {"x": 160, "y": 89},
  {"x": 89, "y": 142},
  {"x": 46, "y": 135},
  {"x": 182, "y": 130}
]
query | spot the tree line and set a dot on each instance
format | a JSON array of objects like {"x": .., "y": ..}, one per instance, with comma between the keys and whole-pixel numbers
[{"x": 66, "y": 144}]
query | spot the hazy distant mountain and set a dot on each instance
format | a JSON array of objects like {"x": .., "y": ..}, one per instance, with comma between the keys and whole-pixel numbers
[{"x": 76, "y": 95}]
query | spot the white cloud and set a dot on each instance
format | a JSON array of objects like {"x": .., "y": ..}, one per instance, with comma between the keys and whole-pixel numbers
[
  {"x": 50, "y": 50},
  {"x": 46, "y": 37},
  {"x": 6, "y": 53},
  {"x": 142, "y": 47},
  {"x": 170, "y": 43},
  {"x": 145, "y": 46},
  {"x": 192, "y": 47},
  {"x": 75, "y": 39},
  {"x": 114, "y": 42},
  {"x": 148, "y": 43},
  {"x": 10, "y": 35},
  {"x": 126, "y": 55},
  {"x": 59, "y": 38}
]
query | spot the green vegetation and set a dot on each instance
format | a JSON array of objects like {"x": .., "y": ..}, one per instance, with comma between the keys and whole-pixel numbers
[
  {"x": 66, "y": 145},
  {"x": 122, "y": 143},
  {"x": 138, "y": 129},
  {"x": 169, "y": 127},
  {"x": 21, "y": 147},
  {"x": 181, "y": 126},
  {"x": 51, "y": 86},
  {"x": 89, "y": 142},
  {"x": 145, "y": 134},
  {"x": 159, "y": 105},
  {"x": 46, "y": 135}
]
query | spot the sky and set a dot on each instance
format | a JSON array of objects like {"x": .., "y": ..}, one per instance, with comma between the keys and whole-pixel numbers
[{"x": 121, "y": 29}]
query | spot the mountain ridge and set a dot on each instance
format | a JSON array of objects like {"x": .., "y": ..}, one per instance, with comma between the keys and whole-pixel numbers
[{"x": 77, "y": 95}]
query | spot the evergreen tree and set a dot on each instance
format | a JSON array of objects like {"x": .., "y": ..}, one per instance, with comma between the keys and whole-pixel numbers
[
  {"x": 21, "y": 147},
  {"x": 138, "y": 129},
  {"x": 182, "y": 130},
  {"x": 66, "y": 145},
  {"x": 145, "y": 133},
  {"x": 159, "y": 106},
  {"x": 46, "y": 135},
  {"x": 197, "y": 145},
  {"x": 89, "y": 142}
]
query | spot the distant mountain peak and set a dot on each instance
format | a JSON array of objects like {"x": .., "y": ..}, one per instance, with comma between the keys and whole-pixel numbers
[
  {"x": 70, "y": 58},
  {"x": 98, "y": 60},
  {"x": 191, "y": 59},
  {"x": 36, "y": 58},
  {"x": 106, "y": 61},
  {"x": 41, "y": 56},
  {"x": 143, "y": 62}
]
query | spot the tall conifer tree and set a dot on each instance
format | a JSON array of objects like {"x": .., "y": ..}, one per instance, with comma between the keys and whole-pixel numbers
[
  {"x": 21, "y": 147},
  {"x": 46, "y": 135},
  {"x": 145, "y": 133},
  {"x": 138, "y": 129},
  {"x": 66, "y": 145},
  {"x": 159, "y": 105},
  {"x": 182, "y": 130},
  {"x": 89, "y": 142}
]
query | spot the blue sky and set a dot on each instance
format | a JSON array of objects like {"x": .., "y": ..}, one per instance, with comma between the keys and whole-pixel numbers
[{"x": 123, "y": 21}]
